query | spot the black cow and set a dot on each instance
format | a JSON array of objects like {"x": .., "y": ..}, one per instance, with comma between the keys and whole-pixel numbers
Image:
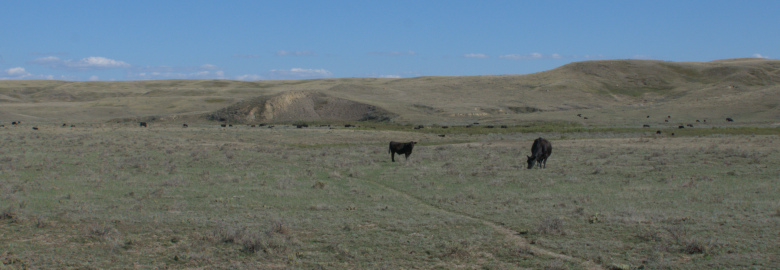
[
  {"x": 647, "y": 126},
  {"x": 540, "y": 151},
  {"x": 401, "y": 148},
  {"x": 142, "y": 124},
  {"x": 185, "y": 125},
  {"x": 729, "y": 119}
]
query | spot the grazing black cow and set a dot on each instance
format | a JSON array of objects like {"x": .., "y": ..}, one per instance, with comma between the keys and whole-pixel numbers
[
  {"x": 646, "y": 126},
  {"x": 579, "y": 114},
  {"x": 681, "y": 127},
  {"x": 13, "y": 123},
  {"x": 419, "y": 127},
  {"x": 35, "y": 128},
  {"x": 657, "y": 132},
  {"x": 540, "y": 151},
  {"x": 223, "y": 125},
  {"x": 689, "y": 125},
  {"x": 442, "y": 135},
  {"x": 697, "y": 121},
  {"x": 142, "y": 124},
  {"x": 185, "y": 125},
  {"x": 445, "y": 127},
  {"x": 648, "y": 116},
  {"x": 349, "y": 125},
  {"x": 64, "y": 125},
  {"x": 729, "y": 119},
  {"x": 504, "y": 126},
  {"x": 401, "y": 148}
]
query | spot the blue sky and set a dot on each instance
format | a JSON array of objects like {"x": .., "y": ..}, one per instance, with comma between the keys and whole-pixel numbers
[{"x": 270, "y": 40}]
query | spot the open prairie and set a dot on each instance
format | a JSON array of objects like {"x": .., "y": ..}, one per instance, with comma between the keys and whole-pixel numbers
[{"x": 102, "y": 192}]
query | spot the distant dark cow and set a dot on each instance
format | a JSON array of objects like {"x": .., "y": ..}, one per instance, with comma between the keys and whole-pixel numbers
[
  {"x": 681, "y": 127},
  {"x": 185, "y": 125},
  {"x": 657, "y": 132},
  {"x": 689, "y": 125},
  {"x": 488, "y": 126},
  {"x": 585, "y": 117},
  {"x": 13, "y": 123},
  {"x": 64, "y": 125},
  {"x": 579, "y": 114},
  {"x": 540, "y": 151},
  {"x": 445, "y": 127},
  {"x": 442, "y": 135},
  {"x": 35, "y": 128},
  {"x": 142, "y": 124},
  {"x": 648, "y": 116},
  {"x": 729, "y": 119},
  {"x": 419, "y": 127},
  {"x": 401, "y": 148},
  {"x": 647, "y": 126},
  {"x": 349, "y": 125},
  {"x": 697, "y": 121},
  {"x": 504, "y": 126},
  {"x": 223, "y": 125}
]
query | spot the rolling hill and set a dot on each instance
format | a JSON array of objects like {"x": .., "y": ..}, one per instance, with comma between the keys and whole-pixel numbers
[{"x": 609, "y": 92}]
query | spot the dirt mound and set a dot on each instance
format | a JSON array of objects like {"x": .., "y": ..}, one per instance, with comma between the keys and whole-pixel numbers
[{"x": 299, "y": 106}]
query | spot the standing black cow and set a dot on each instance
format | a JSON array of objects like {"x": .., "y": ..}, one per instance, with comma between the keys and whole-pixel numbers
[
  {"x": 540, "y": 151},
  {"x": 401, "y": 148},
  {"x": 142, "y": 124}
]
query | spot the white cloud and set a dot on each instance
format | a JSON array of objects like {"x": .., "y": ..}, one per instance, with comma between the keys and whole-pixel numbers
[
  {"x": 295, "y": 53},
  {"x": 89, "y": 63},
  {"x": 475, "y": 55},
  {"x": 301, "y": 73},
  {"x": 19, "y": 73},
  {"x": 522, "y": 56},
  {"x": 250, "y": 77},
  {"x": 206, "y": 71},
  {"x": 287, "y": 74},
  {"x": 556, "y": 56},
  {"x": 758, "y": 55},
  {"x": 94, "y": 78}
]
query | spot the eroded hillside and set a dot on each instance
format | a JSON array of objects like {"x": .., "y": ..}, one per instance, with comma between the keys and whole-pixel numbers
[{"x": 610, "y": 92}]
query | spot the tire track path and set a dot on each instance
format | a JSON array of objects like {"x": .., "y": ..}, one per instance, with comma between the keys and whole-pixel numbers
[{"x": 509, "y": 234}]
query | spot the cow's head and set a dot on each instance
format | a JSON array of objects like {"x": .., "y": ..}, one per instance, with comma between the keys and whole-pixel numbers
[{"x": 531, "y": 161}]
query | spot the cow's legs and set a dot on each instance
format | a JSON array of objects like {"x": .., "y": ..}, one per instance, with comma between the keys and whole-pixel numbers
[
  {"x": 392, "y": 156},
  {"x": 407, "y": 156}
]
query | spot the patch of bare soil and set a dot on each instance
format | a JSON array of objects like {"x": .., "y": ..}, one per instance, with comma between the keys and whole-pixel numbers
[{"x": 300, "y": 106}]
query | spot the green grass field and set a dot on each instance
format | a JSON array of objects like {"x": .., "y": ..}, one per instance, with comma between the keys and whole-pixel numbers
[{"x": 119, "y": 196}]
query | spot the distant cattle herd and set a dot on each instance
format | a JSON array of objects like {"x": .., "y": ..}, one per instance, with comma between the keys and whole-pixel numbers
[{"x": 541, "y": 149}]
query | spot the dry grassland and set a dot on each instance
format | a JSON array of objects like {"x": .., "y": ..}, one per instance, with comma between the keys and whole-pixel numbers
[{"x": 120, "y": 196}]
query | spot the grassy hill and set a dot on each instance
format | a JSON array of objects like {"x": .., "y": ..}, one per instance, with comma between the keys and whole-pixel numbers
[{"x": 608, "y": 93}]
